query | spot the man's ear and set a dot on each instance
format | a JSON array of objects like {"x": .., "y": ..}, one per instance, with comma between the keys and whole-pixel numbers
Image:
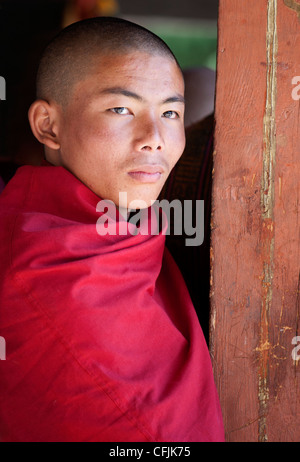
[{"x": 43, "y": 118}]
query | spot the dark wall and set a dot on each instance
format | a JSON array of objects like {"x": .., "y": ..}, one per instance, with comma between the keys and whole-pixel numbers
[
  {"x": 25, "y": 28},
  {"x": 196, "y": 9}
]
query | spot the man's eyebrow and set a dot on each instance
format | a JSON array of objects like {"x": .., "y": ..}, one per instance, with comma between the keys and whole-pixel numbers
[
  {"x": 175, "y": 99},
  {"x": 130, "y": 94},
  {"x": 121, "y": 91}
]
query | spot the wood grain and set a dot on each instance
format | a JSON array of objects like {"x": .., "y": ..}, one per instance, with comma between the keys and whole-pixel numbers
[{"x": 255, "y": 246}]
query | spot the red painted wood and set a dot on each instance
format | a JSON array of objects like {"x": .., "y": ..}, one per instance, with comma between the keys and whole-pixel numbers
[{"x": 255, "y": 221}]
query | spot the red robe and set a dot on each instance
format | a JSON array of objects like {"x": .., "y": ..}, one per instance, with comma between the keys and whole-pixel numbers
[{"x": 102, "y": 340}]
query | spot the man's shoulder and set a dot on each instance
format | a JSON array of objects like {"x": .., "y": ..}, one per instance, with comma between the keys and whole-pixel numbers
[
  {"x": 18, "y": 186},
  {"x": 31, "y": 184}
]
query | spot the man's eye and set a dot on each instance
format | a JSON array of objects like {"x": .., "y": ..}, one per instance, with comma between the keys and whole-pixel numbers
[
  {"x": 171, "y": 115},
  {"x": 120, "y": 110}
]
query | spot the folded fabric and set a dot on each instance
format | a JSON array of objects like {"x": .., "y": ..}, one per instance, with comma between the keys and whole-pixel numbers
[{"x": 102, "y": 340}]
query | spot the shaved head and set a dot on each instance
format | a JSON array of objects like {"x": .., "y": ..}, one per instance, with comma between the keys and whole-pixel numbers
[{"x": 73, "y": 53}]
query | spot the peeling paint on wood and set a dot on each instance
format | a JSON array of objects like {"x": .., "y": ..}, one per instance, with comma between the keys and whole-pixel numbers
[
  {"x": 294, "y": 6},
  {"x": 269, "y": 124},
  {"x": 267, "y": 203}
]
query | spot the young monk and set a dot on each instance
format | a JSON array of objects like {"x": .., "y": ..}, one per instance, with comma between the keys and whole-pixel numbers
[{"x": 102, "y": 340}]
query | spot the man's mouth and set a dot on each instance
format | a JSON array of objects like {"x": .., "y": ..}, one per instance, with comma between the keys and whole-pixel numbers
[{"x": 147, "y": 173}]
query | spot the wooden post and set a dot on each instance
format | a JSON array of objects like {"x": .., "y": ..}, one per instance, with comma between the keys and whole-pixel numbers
[{"x": 255, "y": 246}]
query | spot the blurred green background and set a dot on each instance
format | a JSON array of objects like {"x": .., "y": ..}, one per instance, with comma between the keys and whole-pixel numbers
[
  {"x": 194, "y": 43},
  {"x": 189, "y": 27}
]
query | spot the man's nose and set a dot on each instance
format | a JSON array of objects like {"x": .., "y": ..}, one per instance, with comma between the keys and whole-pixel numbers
[{"x": 149, "y": 136}]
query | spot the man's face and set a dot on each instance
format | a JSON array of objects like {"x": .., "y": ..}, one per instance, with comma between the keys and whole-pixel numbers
[{"x": 123, "y": 130}]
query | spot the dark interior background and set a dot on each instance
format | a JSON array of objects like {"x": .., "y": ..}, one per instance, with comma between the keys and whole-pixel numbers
[
  {"x": 189, "y": 27},
  {"x": 201, "y": 9}
]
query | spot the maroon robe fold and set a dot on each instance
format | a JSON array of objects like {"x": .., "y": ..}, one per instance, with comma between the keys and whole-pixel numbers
[{"x": 102, "y": 340}]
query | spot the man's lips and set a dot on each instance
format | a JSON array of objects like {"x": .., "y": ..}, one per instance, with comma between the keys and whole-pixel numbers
[{"x": 147, "y": 173}]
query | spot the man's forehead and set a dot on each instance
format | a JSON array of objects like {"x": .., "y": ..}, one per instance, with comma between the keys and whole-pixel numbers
[
  {"x": 137, "y": 69},
  {"x": 143, "y": 74},
  {"x": 136, "y": 64}
]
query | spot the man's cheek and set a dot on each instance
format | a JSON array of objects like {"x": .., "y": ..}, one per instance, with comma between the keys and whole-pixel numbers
[{"x": 179, "y": 154}]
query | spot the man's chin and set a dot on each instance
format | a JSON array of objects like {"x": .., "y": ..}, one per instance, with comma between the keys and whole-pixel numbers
[{"x": 136, "y": 203}]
